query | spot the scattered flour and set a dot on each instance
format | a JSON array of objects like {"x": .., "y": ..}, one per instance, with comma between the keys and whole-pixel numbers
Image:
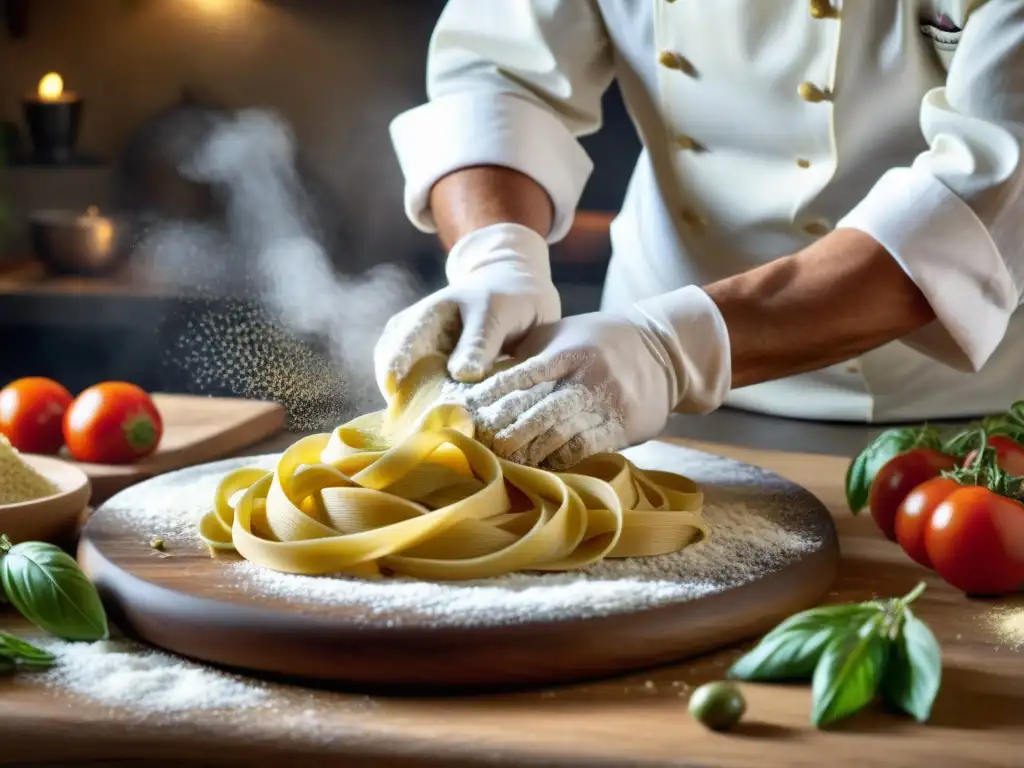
[
  {"x": 124, "y": 675},
  {"x": 742, "y": 547},
  {"x": 237, "y": 345},
  {"x": 274, "y": 306},
  {"x": 251, "y": 160},
  {"x": 758, "y": 523},
  {"x": 1008, "y": 626}
]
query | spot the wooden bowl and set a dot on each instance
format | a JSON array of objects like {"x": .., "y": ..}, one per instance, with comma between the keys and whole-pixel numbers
[{"x": 49, "y": 518}]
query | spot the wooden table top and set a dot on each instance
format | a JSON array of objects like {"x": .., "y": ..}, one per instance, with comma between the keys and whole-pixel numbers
[
  {"x": 30, "y": 277},
  {"x": 640, "y": 720}
]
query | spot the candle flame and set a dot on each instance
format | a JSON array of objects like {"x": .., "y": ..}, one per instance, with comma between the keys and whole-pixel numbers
[{"x": 51, "y": 87}]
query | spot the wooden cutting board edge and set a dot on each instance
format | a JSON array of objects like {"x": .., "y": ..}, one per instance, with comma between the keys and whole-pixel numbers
[
  {"x": 241, "y": 435},
  {"x": 185, "y": 604}
]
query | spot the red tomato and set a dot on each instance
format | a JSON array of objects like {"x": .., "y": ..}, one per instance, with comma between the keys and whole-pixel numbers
[
  {"x": 915, "y": 512},
  {"x": 975, "y": 539},
  {"x": 112, "y": 423},
  {"x": 897, "y": 478},
  {"x": 1009, "y": 454},
  {"x": 32, "y": 412}
]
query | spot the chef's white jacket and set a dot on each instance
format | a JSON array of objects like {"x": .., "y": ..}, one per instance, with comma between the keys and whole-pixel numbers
[{"x": 765, "y": 124}]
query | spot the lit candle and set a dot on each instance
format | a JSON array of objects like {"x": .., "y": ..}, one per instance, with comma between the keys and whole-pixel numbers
[
  {"x": 51, "y": 89},
  {"x": 53, "y": 115}
]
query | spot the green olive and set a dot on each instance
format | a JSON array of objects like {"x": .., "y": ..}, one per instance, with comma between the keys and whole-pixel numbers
[{"x": 718, "y": 706}]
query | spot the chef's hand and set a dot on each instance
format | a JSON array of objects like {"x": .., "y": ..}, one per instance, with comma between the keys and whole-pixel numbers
[
  {"x": 499, "y": 287},
  {"x": 600, "y": 382}
]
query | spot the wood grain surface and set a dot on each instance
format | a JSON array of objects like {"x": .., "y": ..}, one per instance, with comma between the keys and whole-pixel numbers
[
  {"x": 190, "y": 603},
  {"x": 632, "y": 720},
  {"x": 196, "y": 430}
]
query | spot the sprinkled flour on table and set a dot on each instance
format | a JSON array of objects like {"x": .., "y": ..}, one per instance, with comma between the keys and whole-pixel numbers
[
  {"x": 758, "y": 522},
  {"x": 1007, "y": 624},
  {"x": 123, "y": 674}
]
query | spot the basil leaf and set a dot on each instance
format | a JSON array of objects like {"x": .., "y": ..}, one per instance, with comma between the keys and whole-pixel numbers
[
  {"x": 914, "y": 671},
  {"x": 7, "y": 665},
  {"x": 848, "y": 675},
  {"x": 16, "y": 649},
  {"x": 792, "y": 649},
  {"x": 832, "y": 615},
  {"x": 868, "y": 462},
  {"x": 48, "y": 588},
  {"x": 788, "y": 656}
]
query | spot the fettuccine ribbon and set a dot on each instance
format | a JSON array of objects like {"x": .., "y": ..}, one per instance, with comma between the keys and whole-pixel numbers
[{"x": 409, "y": 491}]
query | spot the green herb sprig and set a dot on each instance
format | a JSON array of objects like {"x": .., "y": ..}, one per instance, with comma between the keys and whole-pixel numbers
[
  {"x": 852, "y": 654},
  {"x": 48, "y": 588}
]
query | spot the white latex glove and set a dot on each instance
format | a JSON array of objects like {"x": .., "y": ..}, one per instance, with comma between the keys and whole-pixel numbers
[
  {"x": 499, "y": 287},
  {"x": 600, "y": 382}
]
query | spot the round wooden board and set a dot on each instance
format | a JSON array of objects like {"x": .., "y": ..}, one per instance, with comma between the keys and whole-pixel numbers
[{"x": 215, "y": 609}]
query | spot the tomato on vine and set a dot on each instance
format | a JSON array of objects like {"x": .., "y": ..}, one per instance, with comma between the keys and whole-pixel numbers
[
  {"x": 867, "y": 465},
  {"x": 968, "y": 523},
  {"x": 915, "y": 513},
  {"x": 897, "y": 478},
  {"x": 975, "y": 541},
  {"x": 1009, "y": 454}
]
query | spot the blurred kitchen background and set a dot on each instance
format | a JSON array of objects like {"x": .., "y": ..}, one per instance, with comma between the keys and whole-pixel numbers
[{"x": 206, "y": 199}]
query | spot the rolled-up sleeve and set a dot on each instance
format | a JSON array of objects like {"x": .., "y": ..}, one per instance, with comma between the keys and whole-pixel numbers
[
  {"x": 511, "y": 83},
  {"x": 954, "y": 219}
]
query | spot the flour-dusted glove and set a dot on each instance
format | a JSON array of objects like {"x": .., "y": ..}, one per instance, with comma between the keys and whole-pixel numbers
[
  {"x": 499, "y": 287},
  {"x": 600, "y": 382}
]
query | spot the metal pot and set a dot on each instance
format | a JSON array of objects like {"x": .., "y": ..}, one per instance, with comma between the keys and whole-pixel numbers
[{"x": 71, "y": 242}]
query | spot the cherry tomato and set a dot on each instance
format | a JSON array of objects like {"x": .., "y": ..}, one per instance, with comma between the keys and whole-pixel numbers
[
  {"x": 914, "y": 513},
  {"x": 897, "y": 478},
  {"x": 32, "y": 412},
  {"x": 112, "y": 423},
  {"x": 1009, "y": 454},
  {"x": 975, "y": 540}
]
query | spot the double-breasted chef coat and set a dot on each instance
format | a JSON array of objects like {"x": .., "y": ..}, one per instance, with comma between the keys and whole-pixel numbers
[{"x": 766, "y": 124}]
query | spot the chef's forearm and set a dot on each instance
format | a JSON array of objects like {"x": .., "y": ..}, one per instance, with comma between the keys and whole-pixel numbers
[
  {"x": 472, "y": 198},
  {"x": 838, "y": 298}
]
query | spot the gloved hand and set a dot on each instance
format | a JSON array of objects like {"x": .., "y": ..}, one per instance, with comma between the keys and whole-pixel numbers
[
  {"x": 499, "y": 286},
  {"x": 600, "y": 382}
]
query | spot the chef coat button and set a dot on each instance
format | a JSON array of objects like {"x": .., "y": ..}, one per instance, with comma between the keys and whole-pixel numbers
[
  {"x": 685, "y": 142},
  {"x": 811, "y": 92},
  {"x": 673, "y": 60},
  {"x": 852, "y": 368},
  {"x": 818, "y": 228},
  {"x": 692, "y": 218},
  {"x": 803, "y": 163},
  {"x": 821, "y": 9},
  {"x": 669, "y": 60}
]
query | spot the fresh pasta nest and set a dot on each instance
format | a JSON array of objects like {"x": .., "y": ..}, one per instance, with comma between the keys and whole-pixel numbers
[{"x": 408, "y": 491}]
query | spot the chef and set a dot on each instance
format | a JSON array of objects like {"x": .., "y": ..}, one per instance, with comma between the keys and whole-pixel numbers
[{"x": 826, "y": 220}]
